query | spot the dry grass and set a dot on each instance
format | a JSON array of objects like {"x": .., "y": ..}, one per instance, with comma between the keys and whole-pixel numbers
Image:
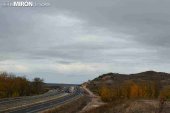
[{"x": 132, "y": 106}]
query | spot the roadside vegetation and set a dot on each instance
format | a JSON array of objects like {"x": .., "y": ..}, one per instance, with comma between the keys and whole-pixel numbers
[
  {"x": 130, "y": 90},
  {"x": 14, "y": 86},
  {"x": 132, "y": 94},
  {"x": 130, "y": 97}
]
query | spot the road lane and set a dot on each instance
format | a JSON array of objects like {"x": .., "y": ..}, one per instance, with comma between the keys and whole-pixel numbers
[
  {"x": 47, "y": 104},
  {"x": 26, "y": 98},
  {"x": 11, "y": 104}
]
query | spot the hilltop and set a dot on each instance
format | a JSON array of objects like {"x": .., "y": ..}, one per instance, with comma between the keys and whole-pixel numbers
[
  {"x": 147, "y": 75},
  {"x": 109, "y": 78}
]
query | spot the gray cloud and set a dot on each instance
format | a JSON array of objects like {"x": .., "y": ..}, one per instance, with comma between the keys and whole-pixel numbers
[{"x": 85, "y": 38}]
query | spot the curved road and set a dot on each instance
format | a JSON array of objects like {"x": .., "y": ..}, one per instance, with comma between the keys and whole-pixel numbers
[
  {"x": 43, "y": 106},
  {"x": 47, "y": 104}
]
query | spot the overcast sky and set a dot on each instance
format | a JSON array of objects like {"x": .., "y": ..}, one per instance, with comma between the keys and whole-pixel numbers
[{"x": 72, "y": 41}]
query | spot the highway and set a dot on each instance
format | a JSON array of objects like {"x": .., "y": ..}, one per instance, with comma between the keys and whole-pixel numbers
[
  {"x": 26, "y": 98},
  {"x": 38, "y": 107}
]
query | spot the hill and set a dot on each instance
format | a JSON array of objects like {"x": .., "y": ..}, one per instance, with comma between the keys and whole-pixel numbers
[
  {"x": 110, "y": 78},
  {"x": 145, "y": 92}
]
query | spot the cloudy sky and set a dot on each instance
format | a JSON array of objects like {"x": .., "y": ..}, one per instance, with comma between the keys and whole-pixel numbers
[{"x": 72, "y": 41}]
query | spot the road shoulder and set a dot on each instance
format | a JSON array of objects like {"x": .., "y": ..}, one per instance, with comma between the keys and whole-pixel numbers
[{"x": 95, "y": 101}]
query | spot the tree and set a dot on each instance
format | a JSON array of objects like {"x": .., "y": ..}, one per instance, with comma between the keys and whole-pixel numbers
[
  {"x": 37, "y": 85},
  {"x": 12, "y": 86}
]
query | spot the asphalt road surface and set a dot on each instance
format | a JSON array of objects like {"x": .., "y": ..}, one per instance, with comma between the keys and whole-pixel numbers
[{"x": 47, "y": 104}]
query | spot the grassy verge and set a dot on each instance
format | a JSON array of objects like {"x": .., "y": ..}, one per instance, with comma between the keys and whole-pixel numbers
[
  {"x": 71, "y": 107},
  {"x": 132, "y": 106},
  {"x": 107, "y": 108}
]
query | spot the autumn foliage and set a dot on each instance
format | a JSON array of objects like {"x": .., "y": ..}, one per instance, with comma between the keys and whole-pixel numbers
[
  {"x": 129, "y": 90},
  {"x": 12, "y": 86},
  {"x": 165, "y": 92}
]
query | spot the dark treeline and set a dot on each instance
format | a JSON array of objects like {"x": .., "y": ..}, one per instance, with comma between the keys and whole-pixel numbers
[{"x": 14, "y": 86}]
